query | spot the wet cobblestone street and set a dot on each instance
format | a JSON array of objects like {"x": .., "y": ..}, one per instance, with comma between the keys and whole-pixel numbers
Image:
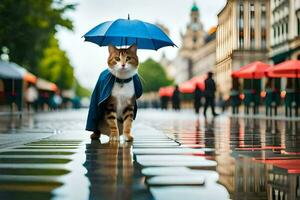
[{"x": 175, "y": 155}]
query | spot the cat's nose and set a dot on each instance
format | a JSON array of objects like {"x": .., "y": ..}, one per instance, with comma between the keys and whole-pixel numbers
[{"x": 123, "y": 65}]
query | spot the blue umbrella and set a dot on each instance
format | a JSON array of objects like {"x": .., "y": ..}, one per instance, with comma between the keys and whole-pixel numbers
[{"x": 125, "y": 32}]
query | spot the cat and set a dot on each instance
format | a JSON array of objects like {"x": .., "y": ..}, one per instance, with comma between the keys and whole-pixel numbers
[{"x": 119, "y": 106}]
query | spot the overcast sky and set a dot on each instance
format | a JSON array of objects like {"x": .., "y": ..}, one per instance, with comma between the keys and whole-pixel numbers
[{"x": 89, "y": 59}]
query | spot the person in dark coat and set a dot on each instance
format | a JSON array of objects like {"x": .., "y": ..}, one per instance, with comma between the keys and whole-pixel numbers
[
  {"x": 197, "y": 99},
  {"x": 176, "y": 98},
  {"x": 210, "y": 89},
  {"x": 164, "y": 102}
]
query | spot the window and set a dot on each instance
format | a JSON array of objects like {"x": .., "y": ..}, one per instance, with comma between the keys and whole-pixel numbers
[
  {"x": 241, "y": 25},
  {"x": 194, "y": 39},
  {"x": 263, "y": 38},
  {"x": 263, "y": 8},
  {"x": 263, "y": 26},
  {"x": 252, "y": 17},
  {"x": 195, "y": 19},
  {"x": 252, "y": 7},
  {"x": 298, "y": 22},
  {"x": 252, "y": 26},
  {"x": 241, "y": 41},
  {"x": 241, "y": 16},
  {"x": 263, "y": 15},
  {"x": 252, "y": 39}
]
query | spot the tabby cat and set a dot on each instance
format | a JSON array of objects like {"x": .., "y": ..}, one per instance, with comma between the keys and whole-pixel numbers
[{"x": 119, "y": 107}]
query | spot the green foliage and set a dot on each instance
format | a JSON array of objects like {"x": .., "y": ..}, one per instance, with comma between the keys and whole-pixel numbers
[
  {"x": 27, "y": 26},
  {"x": 55, "y": 66},
  {"x": 81, "y": 91},
  {"x": 153, "y": 76}
]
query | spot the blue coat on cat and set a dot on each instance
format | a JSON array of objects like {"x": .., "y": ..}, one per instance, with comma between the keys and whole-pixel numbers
[{"x": 101, "y": 92}]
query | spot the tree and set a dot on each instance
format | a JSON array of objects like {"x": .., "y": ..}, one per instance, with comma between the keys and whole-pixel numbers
[
  {"x": 81, "y": 91},
  {"x": 55, "y": 66},
  {"x": 27, "y": 26},
  {"x": 153, "y": 76}
]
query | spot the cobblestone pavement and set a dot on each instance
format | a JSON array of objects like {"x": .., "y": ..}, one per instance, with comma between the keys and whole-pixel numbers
[{"x": 175, "y": 155}]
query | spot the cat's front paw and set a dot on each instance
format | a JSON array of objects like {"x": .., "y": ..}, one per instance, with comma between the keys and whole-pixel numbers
[
  {"x": 95, "y": 136},
  {"x": 128, "y": 138},
  {"x": 114, "y": 138}
]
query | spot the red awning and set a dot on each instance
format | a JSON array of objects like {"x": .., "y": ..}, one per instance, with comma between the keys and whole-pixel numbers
[
  {"x": 292, "y": 166},
  {"x": 30, "y": 78},
  {"x": 166, "y": 91},
  {"x": 46, "y": 85},
  {"x": 190, "y": 85},
  {"x": 255, "y": 70},
  {"x": 287, "y": 69}
]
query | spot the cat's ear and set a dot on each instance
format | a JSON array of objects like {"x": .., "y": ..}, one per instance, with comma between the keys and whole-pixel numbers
[
  {"x": 111, "y": 48},
  {"x": 133, "y": 48}
]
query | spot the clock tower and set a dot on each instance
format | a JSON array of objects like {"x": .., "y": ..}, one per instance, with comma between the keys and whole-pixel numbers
[
  {"x": 192, "y": 39},
  {"x": 194, "y": 36}
]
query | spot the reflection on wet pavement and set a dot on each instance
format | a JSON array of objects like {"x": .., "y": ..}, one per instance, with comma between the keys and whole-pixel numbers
[
  {"x": 256, "y": 159},
  {"x": 173, "y": 156},
  {"x": 33, "y": 174},
  {"x": 112, "y": 172}
]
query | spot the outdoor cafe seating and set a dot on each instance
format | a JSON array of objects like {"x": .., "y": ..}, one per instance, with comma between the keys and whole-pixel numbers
[
  {"x": 272, "y": 95},
  {"x": 13, "y": 80},
  {"x": 272, "y": 101},
  {"x": 251, "y": 95}
]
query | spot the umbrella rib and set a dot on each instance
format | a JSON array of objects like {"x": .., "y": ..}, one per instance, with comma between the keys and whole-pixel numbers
[
  {"x": 150, "y": 36},
  {"x": 104, "y": 35}
]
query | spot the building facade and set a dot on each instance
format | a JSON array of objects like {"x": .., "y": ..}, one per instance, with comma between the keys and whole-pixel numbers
[
  {"x": 204, "y": 59},
  {"x": 285, "y": 30},
  {"x": 242, "y": 37}
]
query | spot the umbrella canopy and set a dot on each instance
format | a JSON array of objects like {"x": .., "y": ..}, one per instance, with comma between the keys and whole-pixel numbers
[
  {"x": 166, "y": 91},
  {"x": 10, "y": 70},
  {"x": 255, "y": 70},
  {"x": 288, "y": 69},
  {"x": 126, "y": 32}
]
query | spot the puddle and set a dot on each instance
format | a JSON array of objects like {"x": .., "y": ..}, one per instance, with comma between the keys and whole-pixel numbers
[
  {"x": 35, "y": 153},
  {"x": 34, "y": 160},
  {"x": 255, "y": 159},
  {"x": 46, "y": 147},
  {"x": 33, "y": 172},
  {"x": 112, "y": 172}
]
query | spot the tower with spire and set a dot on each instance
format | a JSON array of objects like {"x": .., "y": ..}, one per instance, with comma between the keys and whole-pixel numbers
[
  {"x": 193, "y": 39},
  {"x": 194, "y": 35}
]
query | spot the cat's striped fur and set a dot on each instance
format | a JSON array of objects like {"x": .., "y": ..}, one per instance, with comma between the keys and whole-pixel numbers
[{"x": 119, "y": 107}]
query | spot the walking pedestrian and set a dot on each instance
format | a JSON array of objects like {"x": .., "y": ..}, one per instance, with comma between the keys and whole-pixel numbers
[
  {"x": 31, "y": 96},
  {"x": 164, "y": 102},
  {"x": 210, "y": 89},
  {"x": 197, "y": 99},
  {"x": 176, "y": 99}
]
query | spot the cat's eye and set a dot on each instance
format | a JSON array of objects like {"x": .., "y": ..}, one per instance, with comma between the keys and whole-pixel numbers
[
  {"x": 117, "y": 59},
  {"x": 128, "y": 58}
]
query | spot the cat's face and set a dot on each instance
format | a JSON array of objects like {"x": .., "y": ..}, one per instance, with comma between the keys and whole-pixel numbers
[{"x": 123, "y": 63}]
